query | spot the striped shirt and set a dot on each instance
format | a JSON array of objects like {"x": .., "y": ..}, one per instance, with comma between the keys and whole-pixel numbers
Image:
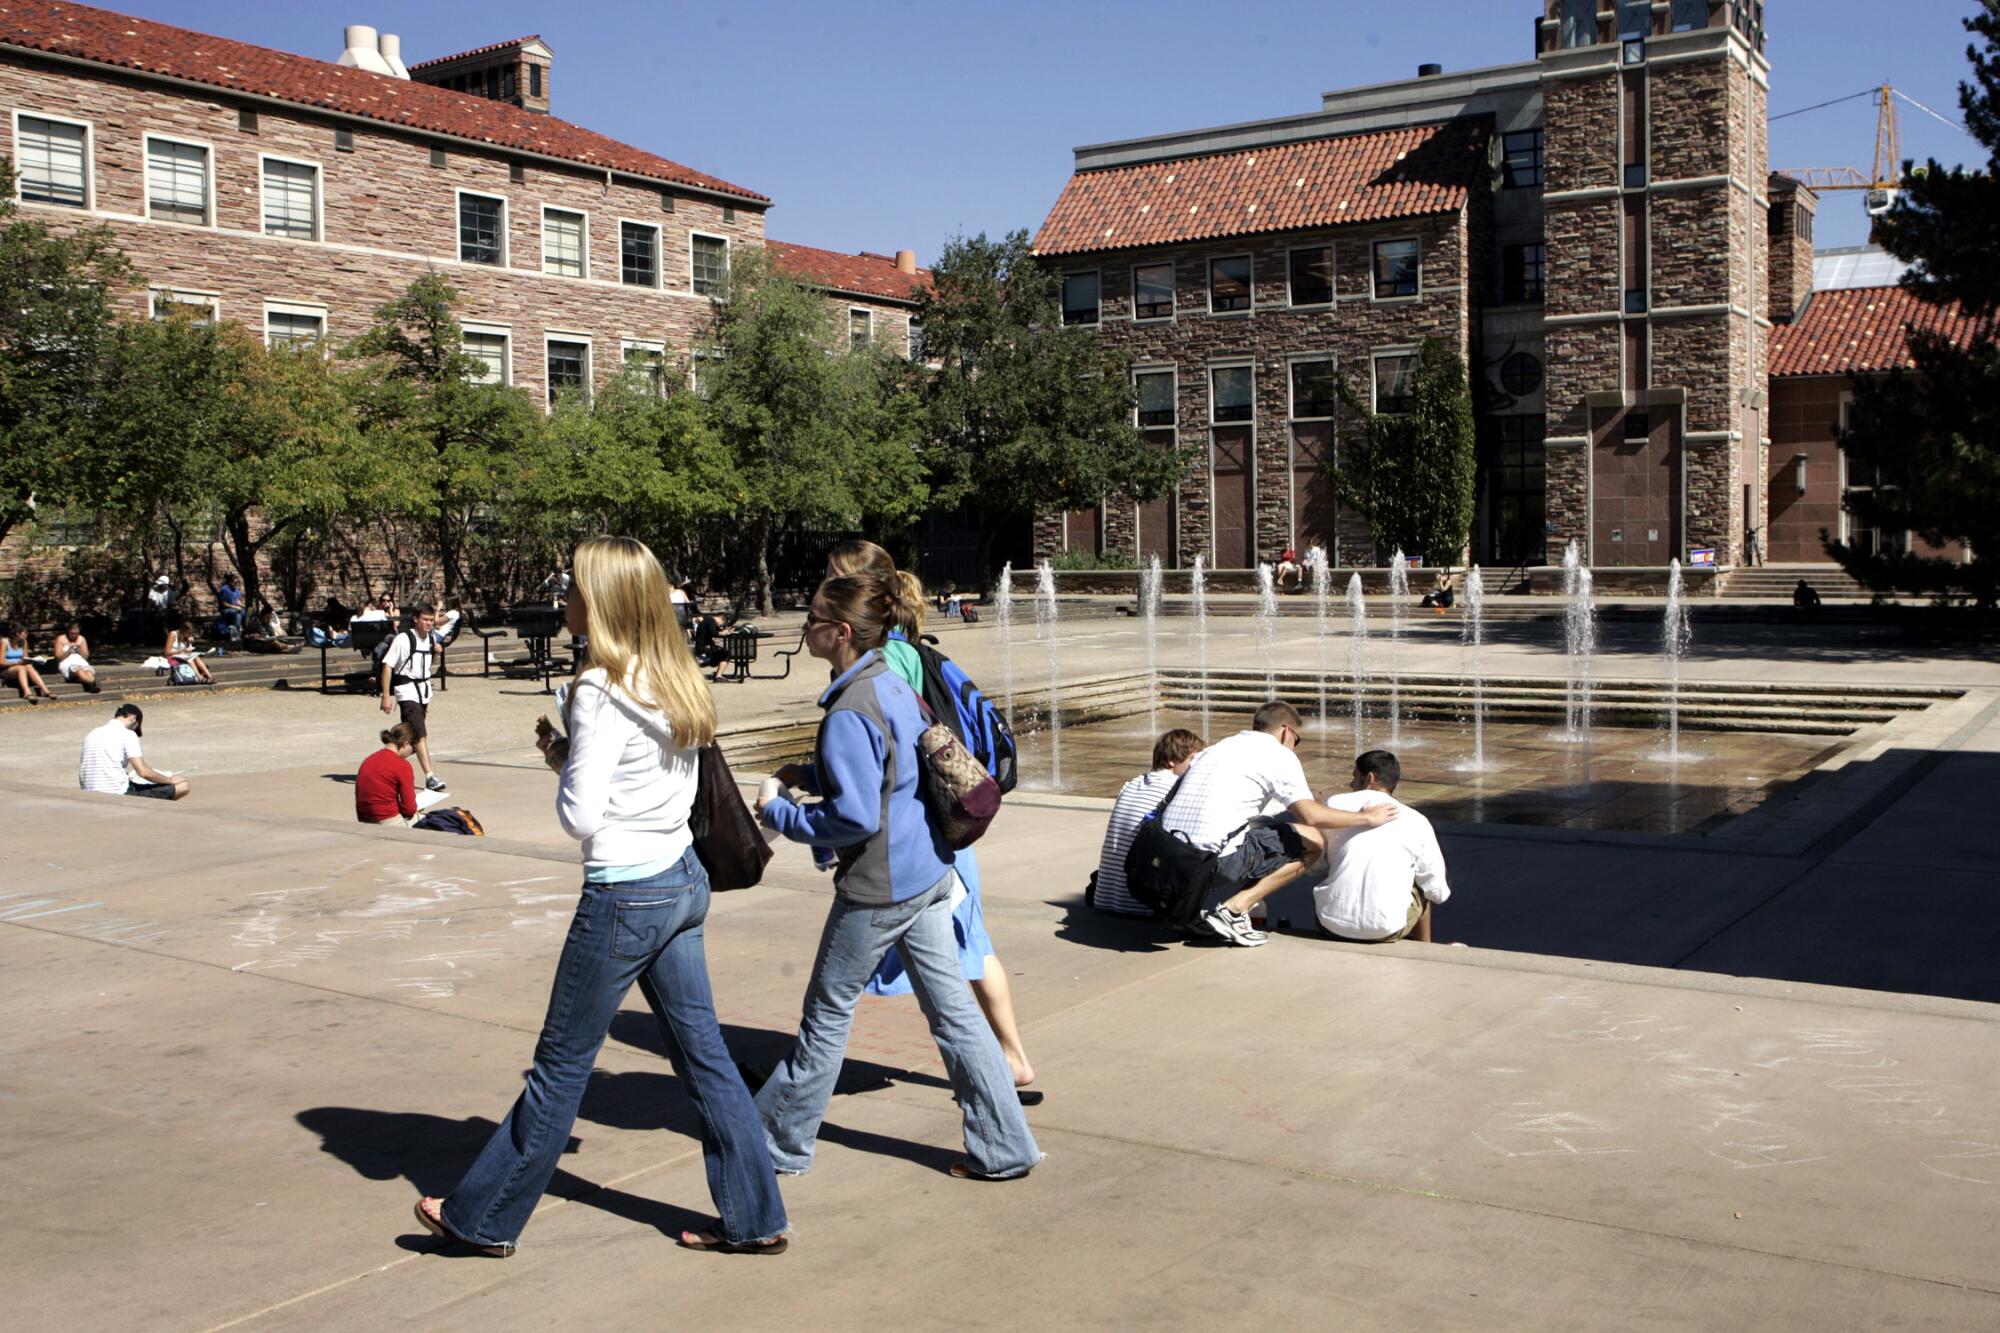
[
  {"x": 1136, "y": 799},
  {"x": 106, "y": 751}
]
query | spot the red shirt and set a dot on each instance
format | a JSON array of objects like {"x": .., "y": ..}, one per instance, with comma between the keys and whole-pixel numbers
[{"x": 384, "y": 788}]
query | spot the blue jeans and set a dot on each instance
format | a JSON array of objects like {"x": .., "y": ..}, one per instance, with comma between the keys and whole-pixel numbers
[
  {"x": 793, "y": 1102},
  {"x": 648, "y": 931}
]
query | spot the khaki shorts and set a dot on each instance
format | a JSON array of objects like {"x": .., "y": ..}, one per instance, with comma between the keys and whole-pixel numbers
[{"x": 1417, "y": 905}]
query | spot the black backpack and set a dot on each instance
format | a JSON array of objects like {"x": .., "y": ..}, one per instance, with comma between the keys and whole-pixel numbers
[
  {"x": 1167, "y": 872},
  {"x": 381, "y": 655}
]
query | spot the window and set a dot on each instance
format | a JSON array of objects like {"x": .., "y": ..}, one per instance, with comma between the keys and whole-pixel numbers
[
  {"x": 204, "y": 307},
  {"x": 1155, "y": 389},
  {"x": 1393, "y": 376},
  {"x": 1229, "y": 284},
  {"x": 711, "y": 264},
  {"x": 176, "y": 182},
  {"x": 1079, "y": 298},
  {"x": 291, "y": 199},
  {"x": 482, "y": 229},
  {"x": 1312, "y": 276},
  {"x": 1516, "y": 490},
  {"x": 1804, "y": 225},
  {"x": 702, "y": 368},
  {"x": 52, "y": 159},
  {"x": 343, "y": 141},
  {"x": 1521, "y": 271},
  {"x": 1153, "y": 291},
  {"x": 489, "y": 347},
  {"x": 293, "y": 324},
  {"x": 569, "y": 370},
  {"x": 638, "y": 253},
  {"x": 1521, "y": 159},
  {"x": 1579, "y": 23},
  {"x": 563, "y": 250},
  {"x": 1635, "y": 175},
  {"x": 1230, "y": 394},
  {"x": 860, "y": 329},
  {"x": 1398, "y": 270},
  {"x": 1689, "y": 15},
  {"x": 647, "y": 361},
  {"x": 1635, "y": 301},
  {"x": 1520, "y": 374},
  {"x": 1638, "y": 425},
  {"x": 1313, "y": 388},
  {"x": 534, "y": 80},
  {"x": 916, "y": 341}
]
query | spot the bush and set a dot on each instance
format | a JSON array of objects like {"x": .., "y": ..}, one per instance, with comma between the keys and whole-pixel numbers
[{"x": 1085, "y": 560}]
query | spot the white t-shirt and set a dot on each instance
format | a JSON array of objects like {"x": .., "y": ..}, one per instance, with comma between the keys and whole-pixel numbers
[
  {"x": 1136, "y": 799},
  {"x": 410, "y": 654},
  {"x": 367, "y": 614},
  {"x": 1232, "y": 782},
  {"x": 106, "y": 751},
  {"x": 1370, "y": 871}
]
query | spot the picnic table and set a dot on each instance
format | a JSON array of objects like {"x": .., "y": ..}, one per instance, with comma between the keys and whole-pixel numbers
[
  {"x": 536, "y": 626},
  {"x": 363, "y": 636},
  {"x": 739, "y": 648}
]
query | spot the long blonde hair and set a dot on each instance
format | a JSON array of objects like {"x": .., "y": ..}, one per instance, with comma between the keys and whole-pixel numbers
[
  {"x": 634, "y": 636},
  {"x": 906, "y": 590}
]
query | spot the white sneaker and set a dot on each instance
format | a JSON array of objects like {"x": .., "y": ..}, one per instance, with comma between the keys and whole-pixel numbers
[
  {"x": 434, "y": 783},
  {"x": 1234, "y": 927}
]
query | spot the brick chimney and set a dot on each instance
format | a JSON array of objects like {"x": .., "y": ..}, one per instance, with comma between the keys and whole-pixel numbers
[
  {"x": 515, "y": 72},
  {"x": 1793, "y": 207}
]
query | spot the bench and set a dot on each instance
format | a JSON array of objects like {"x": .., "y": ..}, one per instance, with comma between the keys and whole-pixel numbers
[
  {"x": 363, "y": 636},
  {"x": 536, "y": 626}
]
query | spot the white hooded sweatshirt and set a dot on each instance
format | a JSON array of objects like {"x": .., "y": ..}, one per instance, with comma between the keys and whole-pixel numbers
[{"x": 627, "y": 787}]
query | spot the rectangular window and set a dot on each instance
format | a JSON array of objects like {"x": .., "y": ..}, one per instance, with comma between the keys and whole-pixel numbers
[
  {"x": 293, "y": 326},
  {"x": 1155, "y": 389},
  {"x": 176, "y": 182},
  {"x": 1153, "y": 291},
  {"x": 1805, "y": 224},
  {"x": 711, "y": 264},
  {"x": 1398, "y": 270},
  {"x": 569, "y": 370},
  {"x": 563, "y": 252},
  {"x": 489, "y": 348},
  {"x": 1688, "y": 15},
  {"x": 860, "y": 329},
  {"x": 203, "y": 306},
  {"x": 1230, "y": 394},
  {"x": 52, "y": 159},
  {"x": 1516, "y": 491},
  {"x": 1521, "y": 271},
  {"x": 534, "y": 80},
  {"x": 701, "y": 370},
  {"x": 1521, "y": 159},
  {"x": 482, "y": 229},
  {"x": 1635, "y": 301},
  {"x": 1079, "y": 298},
  {"x": 638, "y": 252},
  {"x": 1229, "y": 284},
  {"x": 1313, "y": 388},
  {"x": 647, "y": 362},
  {"x": 916, "y": 341},
  {"x": 291, "y": 200},
  {"x": 1392, "y": 383},
  {"x": 1312, "y": 276}
]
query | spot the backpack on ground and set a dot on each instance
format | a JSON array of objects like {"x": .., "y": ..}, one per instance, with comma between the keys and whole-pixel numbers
[
  {"x": 183, "y": 673},
  {"x": 959, "y": 704},
  {"x": 450, "y": 819}
]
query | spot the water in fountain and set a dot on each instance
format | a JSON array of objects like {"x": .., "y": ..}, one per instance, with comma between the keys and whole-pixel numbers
[
  {"x": 1580, "y": 644},
  {"x": 1149, "y": 613},
  {"x": 1045, "y": 625},
  {"x": 1198, "y": 590},
  {"x": 1003, "y": 620},
  {"x": 1472, "y": 637},
  {"x": 1357, "y": 660},
  {"x": 1399, "y": 593},
  {"x": 1267, "y": 628},
  {"x": 1675, "y": 638},
  {"x": 1322, "y": 577}
]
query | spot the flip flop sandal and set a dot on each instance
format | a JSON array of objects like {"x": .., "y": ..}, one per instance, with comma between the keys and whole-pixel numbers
[
  {"x": 436, "y": 1226},
  {"x": 1029, "y": 1096},
  {"x": 710, "y": 1242},
  {"x": 967, "y": 1171}
]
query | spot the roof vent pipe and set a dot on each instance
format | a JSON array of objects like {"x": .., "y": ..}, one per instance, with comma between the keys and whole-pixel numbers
[
  {"x": 392, "y": 55},
  {"x": 362, "y": 51},
  {"x": 906, "y": 261},
  {"x": 1429, "y": 71}
]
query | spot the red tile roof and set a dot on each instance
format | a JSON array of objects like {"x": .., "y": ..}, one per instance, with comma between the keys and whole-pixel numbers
[
  {"x": 1321, "y": 182},
  {"x": 478, "y": 51},
  {"x": 104, "y": 37},
  {"x": 865, "y": 274},
  {"x": 1857, "y": 329}
]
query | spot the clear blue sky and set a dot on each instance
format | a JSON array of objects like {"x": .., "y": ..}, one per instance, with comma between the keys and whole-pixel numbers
[{"x": 887, "y": 124}]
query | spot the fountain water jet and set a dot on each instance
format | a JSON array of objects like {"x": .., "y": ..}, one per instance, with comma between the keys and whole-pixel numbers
[
  {"x": 1322, "y": 578},
  {"x": 1003, "y": 620},
  {"x": 1357, "y": 660},
  {"x": 1149, "y": 612},
  {"x": 1580, "y": 643},
  {"x": 1045, "y": 625},
  {"x": 1399, "y": 593},
  {"x": 1198, "y": 590},
  {"x": 1472, "y": 637},
  {"x": 1676, "y": 635},
  {"x": 1267, "y": 628}
]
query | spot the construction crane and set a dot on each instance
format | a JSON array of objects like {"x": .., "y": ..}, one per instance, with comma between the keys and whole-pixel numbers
[{"x": 1884, "y": 184}]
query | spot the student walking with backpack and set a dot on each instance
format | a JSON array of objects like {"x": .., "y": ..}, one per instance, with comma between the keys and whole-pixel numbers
[
  {"x": 403, "y": 665},
  {"x": 637, "y": 718},
  {"x": 893, "y": 885},
  {"x": 917, "y": 664}
]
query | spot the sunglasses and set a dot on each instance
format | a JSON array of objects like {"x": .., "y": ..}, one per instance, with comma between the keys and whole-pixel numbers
[{"x": 814, "y": 618}]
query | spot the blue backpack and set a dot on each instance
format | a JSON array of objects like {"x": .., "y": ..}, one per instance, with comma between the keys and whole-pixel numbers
[{"x": 958, "y": 703}]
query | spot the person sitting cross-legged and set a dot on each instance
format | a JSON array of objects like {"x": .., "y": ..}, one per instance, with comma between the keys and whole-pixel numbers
[
  {"x": 1219, "y": 809},
  {"x": 112, "y": 763},
  {"x": 72, "y": 652},
  {"x": 1172, "y": 754},
  {"x": 1380, "y": 883}
]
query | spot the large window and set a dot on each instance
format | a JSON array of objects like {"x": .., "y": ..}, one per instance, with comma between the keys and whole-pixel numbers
[
  {"x": 1153, "y": 291},
  {"x": 1393, "y": 375},
  {"x": 1230, "y": 396},
  {"x": 482, "y": 229},
  {"x": 1398, "y": 269},
  {"x": 638, "y": 254},
  {"x": 1521, "y": 159},
  {"x": 916, "y": 340},
  {"x": 203, "y": 308},
  {"x": 860, "y": 329},
  {"x": 711, "y": 264},
  {"x": 1312, "y": 276},
  {"x": 177, "y": 182},
  {"x": 1516, "y": 491},
  {"x": 647, "y": 361},
  {"x": 1229, "y": 284},
  {"x": 1080, "y": 298},
  {"x": 569, "y": 369},
  {"x": 53, "y": 160},
  {"x": 564, "y": 251},
  {"x": 1155, "y": 390},
  {"x": 293, "y": 324},
  {"x": 291, "y": 199},
  {"x": 1314, "y": 389},
  {"x": 489, "y": 347},
  {"x": 1521, "y": 271}
]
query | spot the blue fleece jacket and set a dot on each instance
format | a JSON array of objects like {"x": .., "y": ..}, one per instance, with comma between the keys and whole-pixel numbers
[{"x": 866, "y": 772}]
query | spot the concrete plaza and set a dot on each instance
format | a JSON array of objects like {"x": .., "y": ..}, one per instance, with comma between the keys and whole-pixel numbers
[{"x": 1747, "y": 1079}]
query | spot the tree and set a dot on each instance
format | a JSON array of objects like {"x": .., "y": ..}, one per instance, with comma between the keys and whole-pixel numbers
[
  {"x": 57, "y": 293},
  {"x": 1412, "y": 475},
  {"x": 1023, "y": 416},
  {"x": 818, "y": 433},
  {"x": 1929, "y": 437},
  {"x": 418, "y": 399}
]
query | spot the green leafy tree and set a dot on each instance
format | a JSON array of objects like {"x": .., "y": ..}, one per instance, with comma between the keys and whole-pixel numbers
[
  {"x": 57, "y": 296},
  {"x": 1929, "y": 437},
  {"x": 1022, "y": 415},
  {"x": 818, "y": 434},
  {"x": 1412, "y": 475}
]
